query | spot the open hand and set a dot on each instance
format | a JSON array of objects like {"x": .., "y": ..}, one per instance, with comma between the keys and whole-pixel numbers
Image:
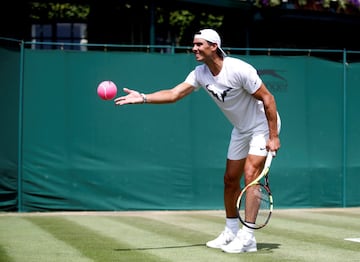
[{"x": 132, "y": 97}]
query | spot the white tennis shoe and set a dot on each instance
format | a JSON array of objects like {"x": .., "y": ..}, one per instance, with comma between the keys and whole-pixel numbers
[
  {"x": 243, "y": 242},
  {"x": 223, "y": 239}
]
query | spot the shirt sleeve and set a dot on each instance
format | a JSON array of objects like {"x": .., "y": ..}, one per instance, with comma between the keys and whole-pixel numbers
[
  {"x": 253, "y": 80},
  {"x": 191, "y": 79}
]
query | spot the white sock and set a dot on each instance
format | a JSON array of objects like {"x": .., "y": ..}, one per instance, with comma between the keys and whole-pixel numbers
[
  {"x": 233, "y": 224},
  {"x": 247, "y": 229}
]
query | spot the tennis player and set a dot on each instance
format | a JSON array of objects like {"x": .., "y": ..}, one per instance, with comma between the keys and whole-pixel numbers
[{"x": 237, "y": 89}]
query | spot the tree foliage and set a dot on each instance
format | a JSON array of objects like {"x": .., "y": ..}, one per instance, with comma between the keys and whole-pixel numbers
[
  {"x": 337, "y": 6},
  {"x": 56, "y": 11}
]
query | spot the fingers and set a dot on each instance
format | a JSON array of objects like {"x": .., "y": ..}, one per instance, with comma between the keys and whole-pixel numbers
[
  {"x": 123, "y": 100},
  {"x": 272, "y": 152},
  {"x": 120, "y": 101},
  {"x": 131, "y": 97},
  {"x": 127, "y": 90},
  {"x": 273, "y": 145}
]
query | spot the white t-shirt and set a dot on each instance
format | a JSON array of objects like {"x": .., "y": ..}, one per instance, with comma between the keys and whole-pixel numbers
[{"x": 232, "y": 91}]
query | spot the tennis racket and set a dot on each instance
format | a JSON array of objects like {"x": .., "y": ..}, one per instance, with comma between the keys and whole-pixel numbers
[{"x": 256, "y": 196}]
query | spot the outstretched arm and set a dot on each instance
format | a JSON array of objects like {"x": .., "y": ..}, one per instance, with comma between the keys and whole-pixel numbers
[{"x": 158, "y": 97}]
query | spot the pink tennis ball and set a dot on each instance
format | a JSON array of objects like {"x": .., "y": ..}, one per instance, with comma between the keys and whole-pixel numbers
[{"x": 107, "y": 90}]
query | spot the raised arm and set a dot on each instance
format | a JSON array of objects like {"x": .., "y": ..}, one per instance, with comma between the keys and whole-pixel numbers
[{"x": 158, "y": 97}]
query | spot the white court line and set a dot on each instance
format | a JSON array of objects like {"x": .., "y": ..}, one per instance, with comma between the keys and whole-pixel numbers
[{"x": 353, "y": 239}]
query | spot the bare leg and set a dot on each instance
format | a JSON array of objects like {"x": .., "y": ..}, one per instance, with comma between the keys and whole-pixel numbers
[
  {"x": 233, "y": 173},
  {"x": 253, "y": 167},
  {"x": 252, "y": 204}
]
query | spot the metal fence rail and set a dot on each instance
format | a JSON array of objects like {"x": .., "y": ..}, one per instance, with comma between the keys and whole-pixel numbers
[{"x": 341, "y": 55}]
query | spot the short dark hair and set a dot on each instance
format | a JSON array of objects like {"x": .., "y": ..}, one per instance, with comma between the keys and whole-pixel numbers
[{"x": 218, "y": 51}]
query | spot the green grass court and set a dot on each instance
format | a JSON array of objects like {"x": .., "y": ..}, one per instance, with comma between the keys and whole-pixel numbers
[{"x": 291, "y": 235}]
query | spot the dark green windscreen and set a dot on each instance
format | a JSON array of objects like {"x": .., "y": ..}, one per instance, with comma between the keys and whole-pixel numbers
[
  {"x": 79, "y": 152},
  {"x": 9, "y": 116}
]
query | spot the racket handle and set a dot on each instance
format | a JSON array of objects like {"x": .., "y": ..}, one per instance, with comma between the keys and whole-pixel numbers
[{"x": 269, "y": 158}]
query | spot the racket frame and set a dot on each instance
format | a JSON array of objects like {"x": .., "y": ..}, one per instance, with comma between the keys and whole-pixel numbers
[{"x": 264, "y": 173}]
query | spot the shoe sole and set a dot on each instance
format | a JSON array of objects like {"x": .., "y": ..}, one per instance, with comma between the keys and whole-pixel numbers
[
  {"x": 216, "y": 247},
  {"x": 239, "y": 251}
]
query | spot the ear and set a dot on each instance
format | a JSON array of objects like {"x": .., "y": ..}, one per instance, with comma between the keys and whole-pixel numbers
[{"x": 214, "y": 46}]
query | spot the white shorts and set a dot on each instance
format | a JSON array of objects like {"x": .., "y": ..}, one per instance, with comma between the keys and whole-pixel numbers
[{"x": 242, "y": 144}]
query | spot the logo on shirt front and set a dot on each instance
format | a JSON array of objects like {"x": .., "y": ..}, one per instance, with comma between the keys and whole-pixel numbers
[{"x": 217, "y": 93}]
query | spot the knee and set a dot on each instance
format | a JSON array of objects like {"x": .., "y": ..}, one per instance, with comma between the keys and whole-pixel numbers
[
  {"x": 249, "y": 174},
  {"x": 231, "y": 180}
]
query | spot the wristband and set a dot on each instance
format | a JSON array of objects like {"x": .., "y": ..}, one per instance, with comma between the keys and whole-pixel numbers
[{"x": 144, "y": 98}]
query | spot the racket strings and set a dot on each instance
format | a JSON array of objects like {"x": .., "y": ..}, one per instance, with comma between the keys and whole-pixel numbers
[
  {"x": 259, "y": 202},
  {"x": 265, "y": 203}
]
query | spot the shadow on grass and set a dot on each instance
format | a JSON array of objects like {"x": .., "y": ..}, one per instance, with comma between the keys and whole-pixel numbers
[
  {"x": 151, "y": 248},
  {"x": 261, "y": 247},
  {"x": 267, "y": 246}
]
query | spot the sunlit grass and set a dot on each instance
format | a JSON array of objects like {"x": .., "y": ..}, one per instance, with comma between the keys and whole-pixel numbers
[{"x": 291, "y": 235}]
